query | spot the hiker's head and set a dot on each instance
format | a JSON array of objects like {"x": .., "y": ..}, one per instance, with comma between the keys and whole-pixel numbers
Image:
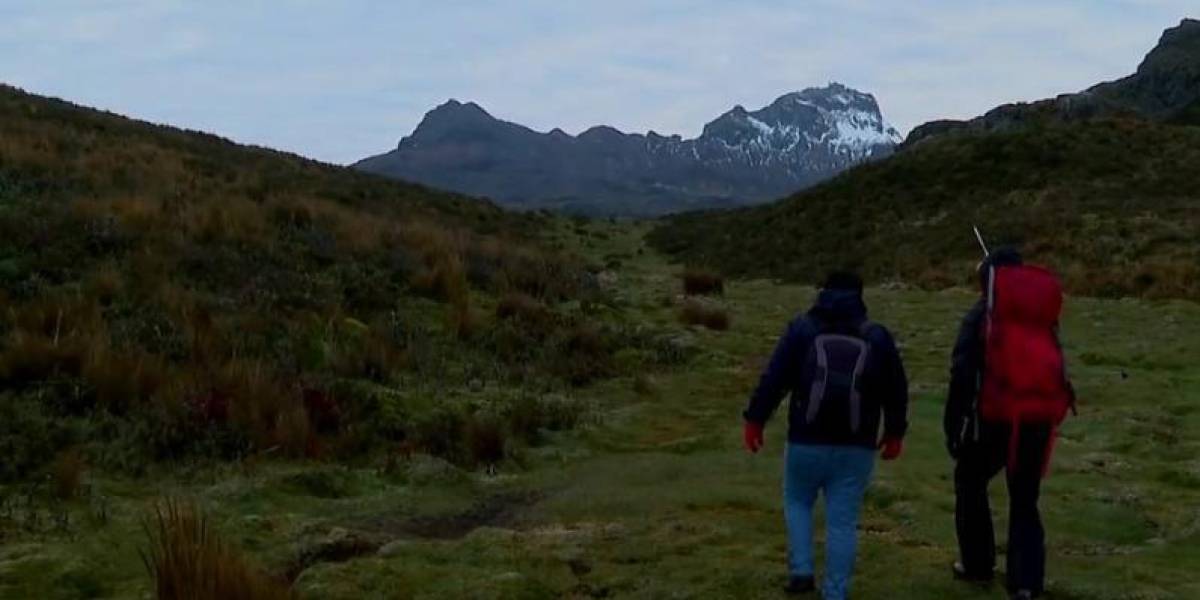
[
  {"x": 840, "y": 299},
  {"x": 843, "y": 281},
  {"x": 1006, "y": 256}
]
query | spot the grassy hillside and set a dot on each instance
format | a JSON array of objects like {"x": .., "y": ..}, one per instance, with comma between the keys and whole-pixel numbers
[
  {"x": 170, "y": 295},
  {"x": 1112, "y": 205},
  {"x": 652, "y": 496}
]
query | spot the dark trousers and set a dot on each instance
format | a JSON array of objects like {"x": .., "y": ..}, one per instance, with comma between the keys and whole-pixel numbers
[{"x": 980, "y": 461}]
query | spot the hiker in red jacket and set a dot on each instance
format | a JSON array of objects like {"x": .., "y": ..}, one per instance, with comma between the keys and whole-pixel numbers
[{"x": 1008, "y": 394}]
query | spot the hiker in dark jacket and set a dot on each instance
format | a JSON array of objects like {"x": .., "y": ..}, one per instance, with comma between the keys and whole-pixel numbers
[
  {"x": 845, "y": 376},
  {"x": 981, "y": 449}
]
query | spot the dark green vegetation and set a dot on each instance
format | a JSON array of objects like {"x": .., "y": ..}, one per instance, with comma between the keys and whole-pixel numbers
[
  {"x": 171, "y": 296},
  {"x": 1112, "y": 205}
]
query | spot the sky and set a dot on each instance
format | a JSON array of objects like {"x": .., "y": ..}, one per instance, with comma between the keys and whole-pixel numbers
[{"x": 339, "y": 80}]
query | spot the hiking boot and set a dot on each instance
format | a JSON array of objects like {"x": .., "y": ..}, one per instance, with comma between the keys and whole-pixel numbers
[
  {"x": 800, "y": 585},
  {"x": 961, "y": 574}
]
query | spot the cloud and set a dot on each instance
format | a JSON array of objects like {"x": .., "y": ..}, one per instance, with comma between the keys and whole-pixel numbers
[{"x": 339, "y": 81}]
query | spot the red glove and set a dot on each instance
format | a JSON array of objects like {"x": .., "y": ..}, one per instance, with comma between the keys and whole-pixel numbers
[
  {"x": 752, "y": 435},
  {"x": 892, "y": 448}
]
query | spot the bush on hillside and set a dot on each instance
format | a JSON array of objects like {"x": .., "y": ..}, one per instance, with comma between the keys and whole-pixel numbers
[
  {"x": 699, "y": 282},
  {"x": 709, "y": 316}
]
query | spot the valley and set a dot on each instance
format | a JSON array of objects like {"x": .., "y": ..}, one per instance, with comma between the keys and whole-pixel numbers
[{"x": 652, "y": 496}]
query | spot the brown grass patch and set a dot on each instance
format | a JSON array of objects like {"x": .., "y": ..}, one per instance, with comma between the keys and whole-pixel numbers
[
  {"x": 485, "y": 438},
  {"x": 66, "y": 474},
  {"x": 700, "y": 282},
  {"x": 187, "y": 560},
  {"x": 712, "y": 317},
  {"x": 522, "y": 307}
]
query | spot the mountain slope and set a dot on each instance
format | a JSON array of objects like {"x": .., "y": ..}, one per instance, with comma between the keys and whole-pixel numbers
[
  {"x": 741, "y": 157},
  {"x": 1166, "y": 84},
  {"x": 168, "y": 294},
  {"x": 1111, "y": 202}
]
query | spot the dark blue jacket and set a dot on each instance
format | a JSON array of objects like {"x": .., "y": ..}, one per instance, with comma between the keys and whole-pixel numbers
[{"x": 884, "y": 387}]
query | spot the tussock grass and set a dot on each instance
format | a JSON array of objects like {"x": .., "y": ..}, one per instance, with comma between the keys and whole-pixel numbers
[
  {"x": 710, "y": 316},
  {"x": 699, "y": 282},
  {"x": 188, "y": 560},
  {"x": 66, "y": 474}
]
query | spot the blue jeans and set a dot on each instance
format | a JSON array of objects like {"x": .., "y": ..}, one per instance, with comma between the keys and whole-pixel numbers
[{"x": 843, "y": 473}]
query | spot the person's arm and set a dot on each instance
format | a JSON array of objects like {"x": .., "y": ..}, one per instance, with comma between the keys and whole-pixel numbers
[
  {"x": 965, "y": 366},
  {"x": 895, "y": 398},
  {"x": 780, "y": 376}
]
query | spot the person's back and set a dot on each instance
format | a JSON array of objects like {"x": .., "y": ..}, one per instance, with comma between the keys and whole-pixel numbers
[
  {"x": 1008, "y": 393},
  {"x": 846, "y": 379}
]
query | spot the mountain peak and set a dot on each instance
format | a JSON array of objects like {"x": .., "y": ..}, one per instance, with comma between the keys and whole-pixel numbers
[
  {"x": 1168, "y": 78},
  {"x": 833, "y": 96},
  {"x": 845, "y": 119},
  {"x": 1178, "y": 46},
  {"x": 452, "y": 119},
  {"x": 454, "y": 109},
  {"x": 601, "y": 132}
]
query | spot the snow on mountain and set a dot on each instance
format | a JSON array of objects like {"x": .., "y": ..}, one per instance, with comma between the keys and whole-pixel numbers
[
  {"x": 741, "y": 157},
  {"x": 834, "y": 124}
]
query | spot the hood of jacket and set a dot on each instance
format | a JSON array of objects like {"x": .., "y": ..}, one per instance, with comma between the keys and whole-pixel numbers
[{"x": 839, "y": 306}]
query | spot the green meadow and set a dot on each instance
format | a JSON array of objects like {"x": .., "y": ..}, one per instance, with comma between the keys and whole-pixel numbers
[{"x": 649, "y": 494}]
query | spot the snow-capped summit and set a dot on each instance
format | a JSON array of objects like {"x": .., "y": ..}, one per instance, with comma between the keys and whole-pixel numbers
[
  {"x": 835, "y": 118},
  {"x": 741, "y": 157}
]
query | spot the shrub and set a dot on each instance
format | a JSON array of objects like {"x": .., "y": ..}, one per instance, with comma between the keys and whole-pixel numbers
[
  {"x": 293, "y": 434},
  {"x": 29, "y": 435},
  {"x": 560, "y": 413},
  {"x": 187, "y": 560},
  {"x": 712, "y": 317},
  {"x": 323, "y": 410},
  {"x": 440, "y": 432},
  {"x": 485, "y": 437},
  {"x": 66, "y": 473},
  {"x": 29, "y": 358},
  {"x": 522, "y": 307},
  {"x": 118, "y": 381},
  {"x": 526, "y": 418},
  {"x": 699, "y": 282},
  {"x": 643, "y": 386},
  {"x": 583, "y": 356},
  {"x": 464, "y": 322}
]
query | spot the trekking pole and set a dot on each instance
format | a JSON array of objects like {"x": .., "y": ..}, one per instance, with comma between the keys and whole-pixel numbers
[
  {"x": 973, "y": 421},
  {"x": 979, "y": 238}
]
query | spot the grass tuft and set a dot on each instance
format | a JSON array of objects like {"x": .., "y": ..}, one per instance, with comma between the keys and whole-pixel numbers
[
  {"x": 697, "y": 313},
  {"x": 187, "y": 560},
  {"x": 700, "y": 282}
]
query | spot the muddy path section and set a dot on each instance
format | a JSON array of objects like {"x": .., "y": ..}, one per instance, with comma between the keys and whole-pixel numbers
[{"x": 369, "y": 536}]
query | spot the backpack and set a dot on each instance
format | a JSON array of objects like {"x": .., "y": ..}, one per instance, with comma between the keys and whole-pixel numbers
[
  {"x": 834, "y": 365},
  {"x": 1024, "y": 379}
]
